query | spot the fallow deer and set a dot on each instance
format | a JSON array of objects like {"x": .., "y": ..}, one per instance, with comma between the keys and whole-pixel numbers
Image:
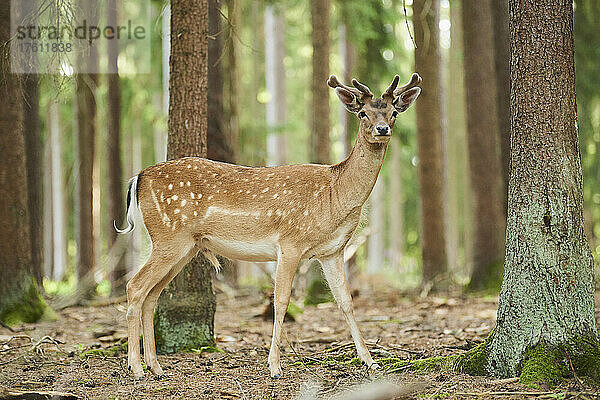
[{"x": 285, "y": 214}]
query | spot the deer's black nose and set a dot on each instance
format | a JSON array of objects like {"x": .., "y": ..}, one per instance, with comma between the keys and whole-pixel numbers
[{"x": 383, "y": 130}]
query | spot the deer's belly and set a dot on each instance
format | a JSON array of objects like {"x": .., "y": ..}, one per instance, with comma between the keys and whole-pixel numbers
[
  {"x": 258, "y": 251},
  {"x": 336, "y": 241}
]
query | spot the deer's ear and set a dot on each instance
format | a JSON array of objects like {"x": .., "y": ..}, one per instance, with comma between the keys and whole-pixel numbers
[
  {"x": 405, "y": 99},
  {"x": 349, "y": 100}
]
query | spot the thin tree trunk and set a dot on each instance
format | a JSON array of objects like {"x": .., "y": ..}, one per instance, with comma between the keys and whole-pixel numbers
[
  {"x": 502, "y": 67},
  {"x": 484, "y": 149},
  {"x": 376, "y": 240},
  {"x": 233, "y": 76},
  {"x": 429, "y": 126},
  {"x": 113, "y": 150},
  {"x": 275, "y": 77},
  {"x": 20, "y": 300},
  {"x": 185, "y": 314},
  {"x": 547, "y": 298},
  {"x": 48, "y": 226},
  {"x": 86, "y": 122},
  {"x": 59, "y": 262},
  {"x": 320, "y": 91},
  {"x": 218, "y": 141},
  {"x": 459, "y": 192},
  {"x": 396, "y": 206}
]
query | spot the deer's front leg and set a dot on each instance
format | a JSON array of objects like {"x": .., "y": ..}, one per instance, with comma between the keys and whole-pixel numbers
[
  {"x": 333, "y": 269},
  {"x": 287, "y": 263}
]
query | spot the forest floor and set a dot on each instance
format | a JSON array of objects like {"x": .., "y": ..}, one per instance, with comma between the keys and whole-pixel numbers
[{"x": 317, "y": 354}]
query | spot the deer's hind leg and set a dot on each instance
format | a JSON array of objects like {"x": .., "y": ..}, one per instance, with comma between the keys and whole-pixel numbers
[
  {"x": 162, "y": 259},
  {"x": 148, "y": 312}
]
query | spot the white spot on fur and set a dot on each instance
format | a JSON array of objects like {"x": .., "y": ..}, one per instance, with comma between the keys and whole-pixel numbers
[
  {"x": 168, "y": 200},
  {"x": 176, "y": 211},
  {"x": 276, "y": 195},
  {"x": 210, "y": 197},
  {"x": 265, "y": 190},
  {"x": 181, "y": 184},
  {"x": 189, "y": 166},
  {"x": 305, "y": 212},
  {"x": 175, "y": 197},
  {"x": 269, "y": 213},
  {"x": 188, "y": 183},
  {"x": 170, "y": 186},
  {"x": 183, "y": 202},
  {"x": 195, "y": 213},
  {"x": 192, "y": 195}
]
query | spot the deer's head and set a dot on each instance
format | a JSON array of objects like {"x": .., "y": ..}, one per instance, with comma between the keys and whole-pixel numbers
[{"x": 377, "y": 116}]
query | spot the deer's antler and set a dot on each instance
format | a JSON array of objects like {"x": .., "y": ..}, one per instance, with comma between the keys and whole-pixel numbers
[
  {"x": 389, "y": 92},
  {"x": 415, "y": 80},
  {"x": 361, "y": 91}
]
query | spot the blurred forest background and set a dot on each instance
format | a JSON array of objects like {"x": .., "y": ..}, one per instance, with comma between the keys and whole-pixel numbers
[{"x": 266, "y": 60}]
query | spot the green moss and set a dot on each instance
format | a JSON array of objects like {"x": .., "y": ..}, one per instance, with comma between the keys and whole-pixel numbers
[
  {"x": 294, "y": 310},
  {"x": 177, "y": 335},
  {"x": 24, "y": 305},
  {"x": 543, "y": 366},
  {"x": 112, "y": 351},
  {"x": 585, "y": 357},
  {"x": 424, "y": 365},
  {"x": 317, "y": 292},
  {"x": 474, "y": 361}
]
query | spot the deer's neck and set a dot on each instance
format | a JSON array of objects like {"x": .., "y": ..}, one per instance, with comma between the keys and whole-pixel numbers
[{"x": 357, "y": 174}]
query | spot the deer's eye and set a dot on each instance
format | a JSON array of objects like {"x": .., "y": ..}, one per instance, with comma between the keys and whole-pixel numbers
[
  {"x": 394, "y": 114},
  {"x": 362, "y": 114}
]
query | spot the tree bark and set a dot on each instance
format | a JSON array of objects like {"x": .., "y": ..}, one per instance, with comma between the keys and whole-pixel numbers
[
  {"x": 547, "y": 296},
  {"x": 319, "y": 11},
  {"x": 426, "y": 15},
  {"x": 483, "y": 143},
  {"x": 233, "y": 76},
  {"x": 86, "y": 122},
  {"x": 459, "y": 191},
  {"x": 502, "y": 67},
  {"x": 218, "y": 143},
  {"x": 113, "y": 153},
  {"x": 185, "y": 313},
  {"x": 20, "y": 300}
]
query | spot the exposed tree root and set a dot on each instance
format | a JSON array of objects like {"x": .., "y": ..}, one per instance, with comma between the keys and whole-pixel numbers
[{"x": 542, "y": 366}]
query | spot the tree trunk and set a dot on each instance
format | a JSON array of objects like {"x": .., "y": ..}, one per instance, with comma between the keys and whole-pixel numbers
[
  {"x": 56, "y": 191},
  {"x": 459, "y": 192},
  {"x": 233, "y": 76},
  {"x": 546, "y": 304},
  {"x": 33, "y": 150},
  {"x": 86, "y": 122},
  {"x": 483, "y": 139},
  {"x": 502, "y": 67},
  {"x": 396, "y": 207},
  {"x": 218, "y": 143},
  {"x": 320, "y": 91},
  {"x": 185, "y": 313},
  {"x": 113, "y": 152},
  {"x": 20, "y": 300},
  {"x": 275, "y": 77},
  {"x": 376, "y": 244},
  {"x": 426, "y": 15}
]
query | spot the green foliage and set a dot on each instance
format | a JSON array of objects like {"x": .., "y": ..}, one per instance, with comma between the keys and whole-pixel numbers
[
  {"x": 317, "y": 292},
  {"x": 115, "y": 350}
]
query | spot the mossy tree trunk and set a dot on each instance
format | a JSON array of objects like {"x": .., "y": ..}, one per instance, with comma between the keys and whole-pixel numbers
[
  {"x": 185, "y": 312},
  {"x": 483, "y": 145},
  {"x": 20, "y": 300},
  {"x": 429, "y": 134},
  {"x": 546, "y": 305}
]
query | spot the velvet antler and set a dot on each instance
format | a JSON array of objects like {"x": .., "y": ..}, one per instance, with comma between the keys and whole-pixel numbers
[
  {"x": 361, "y": 91},
  {"x": 415, "y": 80}
]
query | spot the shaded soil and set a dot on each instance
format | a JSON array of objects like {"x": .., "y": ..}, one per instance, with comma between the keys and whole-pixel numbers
[{"x": 317, "y": 356}]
